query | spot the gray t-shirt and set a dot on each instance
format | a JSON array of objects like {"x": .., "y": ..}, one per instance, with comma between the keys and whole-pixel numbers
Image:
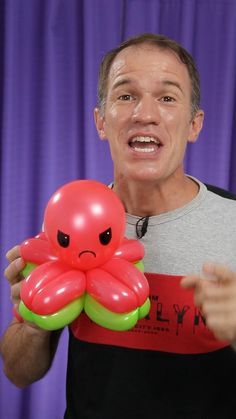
[{"x": 180, "y": 241}]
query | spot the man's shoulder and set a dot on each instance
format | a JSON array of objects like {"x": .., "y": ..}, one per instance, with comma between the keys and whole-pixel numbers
[{"x": 220, "y": 191}]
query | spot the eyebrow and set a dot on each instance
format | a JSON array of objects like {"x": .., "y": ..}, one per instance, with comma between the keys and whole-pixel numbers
[
  {"x": 172, "y": 83},
  {"x": 121, "y": 82},
  {"x": 125, "y": 81}
]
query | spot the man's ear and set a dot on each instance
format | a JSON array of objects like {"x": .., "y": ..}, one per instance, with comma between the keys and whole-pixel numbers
[
  {"x": 196, "y": 126},
  {"x": 99, "y": 122}
]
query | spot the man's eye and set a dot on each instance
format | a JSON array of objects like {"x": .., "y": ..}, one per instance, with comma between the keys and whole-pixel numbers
[
  {"x": 167, "y": 99},
  {"x": 125, "y": 97},
  {"x": 63, "y": 239}
]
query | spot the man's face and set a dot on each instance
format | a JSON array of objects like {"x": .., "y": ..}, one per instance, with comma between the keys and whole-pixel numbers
[{"x": 147, "y": 115}]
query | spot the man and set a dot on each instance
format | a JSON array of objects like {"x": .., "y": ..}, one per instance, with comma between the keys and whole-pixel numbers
[{"x": 179, "y": 361}]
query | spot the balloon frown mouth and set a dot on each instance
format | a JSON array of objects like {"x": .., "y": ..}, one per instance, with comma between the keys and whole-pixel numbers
[{"x": 84, "y": 252}]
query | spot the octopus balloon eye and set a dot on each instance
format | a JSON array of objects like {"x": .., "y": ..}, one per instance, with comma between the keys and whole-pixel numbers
[
  {"x": 105, "y": 237},
  {"x": 63, "y": 239}
]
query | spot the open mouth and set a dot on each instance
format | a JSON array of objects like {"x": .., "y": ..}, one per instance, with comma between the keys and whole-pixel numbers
[
  {"x": 87, "y": 252},
  {"x": 145, "y": 144}
]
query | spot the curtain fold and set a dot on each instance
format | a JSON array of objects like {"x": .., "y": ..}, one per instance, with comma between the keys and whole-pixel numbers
[{"x": 50, "y": 53}]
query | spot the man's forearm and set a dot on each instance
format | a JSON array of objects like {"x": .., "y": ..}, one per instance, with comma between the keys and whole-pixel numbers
[{"x": 27, "y": 352}]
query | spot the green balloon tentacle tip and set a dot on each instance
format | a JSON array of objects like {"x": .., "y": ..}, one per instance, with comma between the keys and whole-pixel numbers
[
  {"x": 56, "y": 320},
  {"x": 29, "y": 267},
  {"x": 25, "y": 312},
  {"x": 114, "y": 321},
  {"x": 144, "y": 309},
  {"x": 139, "y": 265}
]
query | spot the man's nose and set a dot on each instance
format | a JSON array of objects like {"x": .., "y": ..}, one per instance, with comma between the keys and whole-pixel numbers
[{"x": 146, "y": 111}]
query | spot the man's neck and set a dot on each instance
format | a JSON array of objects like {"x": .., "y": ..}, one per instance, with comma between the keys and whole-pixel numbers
[{"x": 147, "y": 199}]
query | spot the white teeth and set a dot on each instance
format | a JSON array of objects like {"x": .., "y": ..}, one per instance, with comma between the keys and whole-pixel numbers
[
  {"x": 145, "y": 139},
  {"x": 144, "y": 150}
]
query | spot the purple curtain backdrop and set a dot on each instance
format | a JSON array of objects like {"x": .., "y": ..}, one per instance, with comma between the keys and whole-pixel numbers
[{"x": 50, "y": 51}]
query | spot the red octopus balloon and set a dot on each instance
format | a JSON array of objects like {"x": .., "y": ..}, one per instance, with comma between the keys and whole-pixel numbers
[{"x": 82, "y": 261}]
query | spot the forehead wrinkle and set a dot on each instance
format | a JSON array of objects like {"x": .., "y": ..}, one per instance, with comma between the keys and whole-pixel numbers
[{"x": 127, "y": 81}]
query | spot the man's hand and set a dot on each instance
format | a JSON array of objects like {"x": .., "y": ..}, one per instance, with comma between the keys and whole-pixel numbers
[
  {"x": 215, "y": 295},
  {"x": 14, "y": 277},
  {"x": 12, "y": 273}
]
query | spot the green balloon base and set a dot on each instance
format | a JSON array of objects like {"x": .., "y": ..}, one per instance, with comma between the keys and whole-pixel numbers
[{"x": 53, "y": 321}]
